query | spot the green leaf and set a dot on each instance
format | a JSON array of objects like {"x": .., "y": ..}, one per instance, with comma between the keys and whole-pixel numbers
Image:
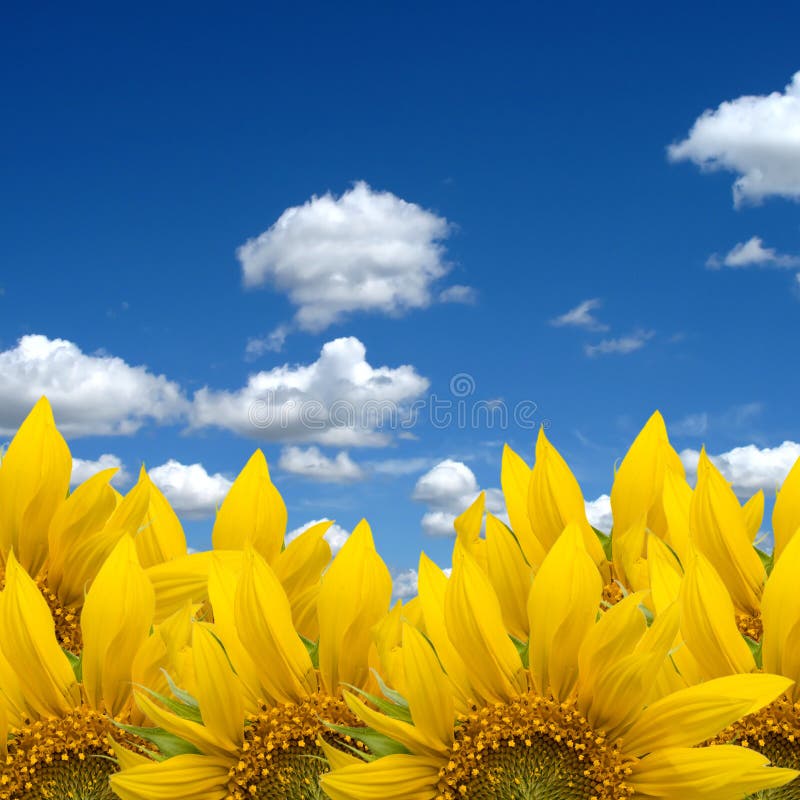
[
  {"x": 393, "y": 710},
  {"x": 379, "y": 744},
  {"x": 168, "y": 744},
  {"x": 182, "y": 695},
  {"x": 767, "y": 559},
  {"x": 522, "y": 649},
  {"x": 391, "y": 694},
  {"x": 76, "y": 662},
  {"x": 755, "y": 649},
  {"x": 182, "y": 710},
  {"x": 313, "y": 650},
  {"x": 605, "y": 541}
]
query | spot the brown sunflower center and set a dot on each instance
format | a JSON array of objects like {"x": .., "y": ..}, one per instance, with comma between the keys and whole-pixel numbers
[
  {"x": 60, "y": 758},
  {"x": 612, "y": 594},
  {"x": 281, "y": 756},
  {"x": 750, "y": 625},
  {"x": 775, "y": 732},
  {"x": 533, "y": 748},
  {"x": 66, "y": 620}
]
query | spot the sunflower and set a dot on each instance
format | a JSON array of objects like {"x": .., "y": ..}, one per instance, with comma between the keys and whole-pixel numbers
[
  {"x": 56, "y": 729},
  {"x": 717, "y": 647},
  {"x": 260, "y": 690},
  {"x": 63, "y": 539},
  {"x": 579, "y": 718},
  {"x": 252, "y": 515}
]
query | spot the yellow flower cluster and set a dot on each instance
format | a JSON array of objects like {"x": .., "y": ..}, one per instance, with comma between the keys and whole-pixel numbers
[{"x": 554, "y": 662}]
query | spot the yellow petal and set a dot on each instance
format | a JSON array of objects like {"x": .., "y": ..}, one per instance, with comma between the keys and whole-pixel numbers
[
  {"x": 413, "y": 738},
  {"x": 116, "y": 619},
  {"x": 555, "y": 500},
  {"x": 515, "y": 476},
  {"x": 719, "y": 531},
  {"x": 713, "y": 773},
  {"x": 676, "y": 501},
  {"x": 85, "y": 512},
  {"x": 427, "y": 690},
  {"x": 475, "y": 626},
  {"x": 780, "y": 614},
  {"x": 355, "y": 595},
  {"x": 786, "y": 513},
  {"x": 127, "y": 759},
  {"x": 337, "y": 758},
  {"x": 34, "y": 480},
  {"x": 468, "y": 530},
  {"x": 510, "y": 575},
  {"x": 628, "y": 548},
  {"x": 693, "y": 715},
  {"x": 161, "y": 536},
  {"x": 217, "y": 691},
  {"x": 253, "y": 513},
  {"x": 665, "y": 574},
  {"x": 638, "y": 483},
  {"x": 299, "y": 568},
  {"x": 28, "y": 641},
  {"x": 562, "y": 608},
  {"x": 394, "y": 777},
  {"x": 754, "y": 514},
  {"x": 431, "y": 588},
  {"x": 708, "y": 622},
  {"x": 264, "y": 622},
  {"x": 184, "y": 777}
]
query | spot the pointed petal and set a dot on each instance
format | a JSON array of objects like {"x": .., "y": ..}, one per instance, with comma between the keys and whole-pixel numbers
[
  {"x": 693, "y": 715},
  {"x": 161, "y": 536},
  {"x": 786, "y": 513},
  {"x": 475, "y": 626},
  {"x": 754, "y": 514},
  {"x": 515, "y": 476},
  {"x": 185, "y": 777},
  {"x": 28, "y": 641},
  {"x": 355, "y": 595},
  {"x": 562, "y": 608},
  {"x": 394, "y": 777},
  {"x": 34, "y": 481},
  {"x": 253, "y": 514}
]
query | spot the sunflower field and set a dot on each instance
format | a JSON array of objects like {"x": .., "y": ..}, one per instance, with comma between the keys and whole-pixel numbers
[{"x": 553, "y": 662}]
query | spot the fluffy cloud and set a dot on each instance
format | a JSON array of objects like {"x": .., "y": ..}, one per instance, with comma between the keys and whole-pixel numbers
[
  {"x": 752, "y": 253},
  {"x": 622, "y": 345},
  {"x": 448, "y": 489},
  {"x": 458, "y": 294},
  {"x": 312, "y": 463},
  {"x": 83, "y": 469},
  {"x": 191, "y": 491},
  {"x": 363, "y": 251},
  {"x": 754, "y": 136},
  {"x": 271, "y": 343},
  {"x": 90, "y": 394},
  {"x": 404, "y": 584},
  {"x": 335, "y": 536},
  {"x": 598, "y": 513},
  {"x": 339, "y": 400},
  {"x": 750, "y": 468},
  {"x": 582, "y": 317}
]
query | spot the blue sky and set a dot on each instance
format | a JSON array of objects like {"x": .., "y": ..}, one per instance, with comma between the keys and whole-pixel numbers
[{"x": 519, "y": 155}]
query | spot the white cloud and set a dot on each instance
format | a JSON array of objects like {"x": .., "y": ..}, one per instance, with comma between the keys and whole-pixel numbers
[
  {"x": 271, "y": 343},
  {"x": 690, "y": 425},
  {"x": 622, "y": 345},
  {"x": 312, "y": 463},
  {"x": 582, "y": 317},
  {"x": 399, "y": 466},
  {"x": 598, "y": 512},
  {"x": 459, "y": 294},
  {"x": 755, "y": 136},
  {"x": 191, "y": 491},
  {"x": 90, "y": 394},
  {"x": 752, "y": 253},
  {"x": 335, "y": 536},
  {"x": 750, "y": 468},
  {"x": 448, "y": 489},
  {"x": 339, "y": 400},
  {"x": 405, "y": 584},
  {"x": 363, "y": 251},
  {"x": 84, "y": 468}
]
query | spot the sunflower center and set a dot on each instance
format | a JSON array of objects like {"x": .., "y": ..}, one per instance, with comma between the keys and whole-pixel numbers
[
  {"x": 281, "y": 756},
  {"x": 60, "y": 758},
  {"x": 750, "y": 625},
  {"x": 66, "y": 620},
  {"x": 533, "y": 748},
  {"x": 612, "y": 594},
  {"x": 775, "y": 732}
]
